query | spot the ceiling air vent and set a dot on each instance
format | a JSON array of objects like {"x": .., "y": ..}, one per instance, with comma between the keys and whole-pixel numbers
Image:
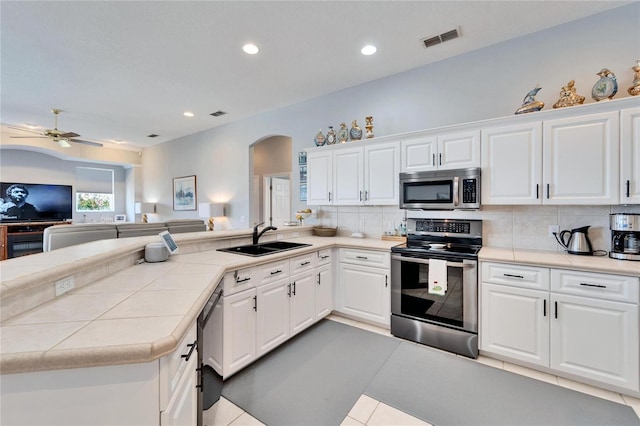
[
  {"x": 432, "y": 41},
  {"x": 218, "y": 113},
  {"x": 152, "y": 135}
]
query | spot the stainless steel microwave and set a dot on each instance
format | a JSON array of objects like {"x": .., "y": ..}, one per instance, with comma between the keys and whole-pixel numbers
[{"x": 441, "y": 190}]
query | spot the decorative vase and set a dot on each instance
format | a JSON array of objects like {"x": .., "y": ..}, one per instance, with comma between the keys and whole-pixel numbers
[
  {"x": 356, "y": 132},
  {"x": 343, "y": 133},
  {"x": 369, "y": 127},
  {"x": 606, "y": 87},
  {"x": 319, "y": 139},
  {"x": 331, "y": 136},
  {"x": 634, "y": 90}
]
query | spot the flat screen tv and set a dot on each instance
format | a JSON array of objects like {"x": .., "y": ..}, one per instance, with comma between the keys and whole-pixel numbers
[{"x": 27, "y": 202}]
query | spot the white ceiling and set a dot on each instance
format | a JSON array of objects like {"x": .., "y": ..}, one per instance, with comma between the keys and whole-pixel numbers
[{"x": 124, "y": 70}]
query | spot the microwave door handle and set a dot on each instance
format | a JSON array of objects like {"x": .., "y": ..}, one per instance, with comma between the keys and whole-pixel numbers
[
  {"x": 456, "y": 198},
  {"x": 426, "y": 261}
]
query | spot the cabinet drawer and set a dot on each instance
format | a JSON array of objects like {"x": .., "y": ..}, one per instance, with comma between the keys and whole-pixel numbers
[
  {"x": 173, "y": 366},
  {"x": 273, "y": 271},
  {"x": 239, "y": 280},
  {"x": 302, "y": 263},
  {"x": 324, "y": 257},
  {"x": 378, "y": 259},
  {"x": 590, "y": 284},
  {"x": 516, "y": 275}
]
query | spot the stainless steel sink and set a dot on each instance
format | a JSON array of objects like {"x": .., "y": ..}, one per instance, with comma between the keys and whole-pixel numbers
[{"x": 264, "y": 248}]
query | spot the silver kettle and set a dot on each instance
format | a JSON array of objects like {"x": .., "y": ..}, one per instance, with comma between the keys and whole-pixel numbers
[{"x": 578, "y": 241}]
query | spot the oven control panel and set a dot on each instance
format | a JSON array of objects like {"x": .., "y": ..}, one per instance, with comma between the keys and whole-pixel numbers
[{"x": 443, "y": 226}]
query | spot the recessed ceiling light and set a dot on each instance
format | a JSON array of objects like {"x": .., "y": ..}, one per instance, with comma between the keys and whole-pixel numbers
[
  {"x": 369, "y": 49},
  {"x": 188, "y": 114},
  {"x": 250, "y": 49}
]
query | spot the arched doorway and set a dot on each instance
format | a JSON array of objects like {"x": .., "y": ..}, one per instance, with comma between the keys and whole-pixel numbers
[{"x": 270, "y": 160}]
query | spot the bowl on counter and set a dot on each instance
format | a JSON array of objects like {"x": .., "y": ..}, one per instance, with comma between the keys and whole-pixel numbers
[{"x": 323, "y": 231}]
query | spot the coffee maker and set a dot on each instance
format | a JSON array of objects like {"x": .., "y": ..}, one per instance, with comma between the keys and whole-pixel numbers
[{"x": 625, "y": 236}]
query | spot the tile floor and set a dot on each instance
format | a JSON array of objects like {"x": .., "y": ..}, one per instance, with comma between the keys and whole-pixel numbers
[{"x": 368, "y": 411}]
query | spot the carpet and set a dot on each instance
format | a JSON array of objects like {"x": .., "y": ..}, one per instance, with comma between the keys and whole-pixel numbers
[
  {"x": 444, "y": 389},
  {"x": 316, "y": 378}
]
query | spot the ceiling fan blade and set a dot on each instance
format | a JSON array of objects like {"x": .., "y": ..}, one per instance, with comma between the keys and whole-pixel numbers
[
  {"x": 69, "y": 135},
  {"x": 97, "y": 144},
  {"x": 22, "y": 129},
  {"x": 29, "y": 137}
]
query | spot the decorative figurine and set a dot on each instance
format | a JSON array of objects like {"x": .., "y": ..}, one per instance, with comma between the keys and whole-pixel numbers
[
  {"x": 356, "y": 132},
  {"x": 319, "y": 139},
  {"x": 634, "y": 90},
  {"x": 606, "y": 87},
  {"x": 529, "y": 104},
  {"x": 568, "y": 96},
  {"x": 343, "y": 133},
  {"x": 331, "y": 136},
  {"x": 369, "y": 127}
]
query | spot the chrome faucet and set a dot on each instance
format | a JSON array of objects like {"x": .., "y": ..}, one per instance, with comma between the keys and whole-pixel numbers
[{"x": 256, "y": 235}]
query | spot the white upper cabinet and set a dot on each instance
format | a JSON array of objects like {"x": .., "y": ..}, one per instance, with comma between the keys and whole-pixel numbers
[
  {"x": 512, "y": 164},
  {"x": 630, "y": 156},
  {"x": 354, "y": 175},
  {"x": 381, "y": 174},
  {"x": 319, "y": 178},
  {"x": 348, "y": 176},
  {"x": 581, "y": 159},
  {"x": 444, "y": 151}
]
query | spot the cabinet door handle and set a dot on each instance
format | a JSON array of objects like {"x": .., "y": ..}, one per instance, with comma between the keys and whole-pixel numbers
[
  {"x": 556, "y": 308},
  {"x": 324, "y": 257},
  {"x": 547, "y": 191},
  {"x": 329, "y": 195},
  {"x": 305, "y": 263},
  {"x": 294, "y": 288},
  {"x": 440, "y": 159},
  {"x": 241, "y": 280},
  {"x": 544, "y": 307},
  {"x": 386, "y": 280},
  {"x": 255, "y": 303},
  {"x": 434, "y": 159},
  {"x": 628, "y": 188},
  {"x": 366, "y": 195},
  {"x": 276, "y": 272},
  {"x": 289, "y": 289},
  {"x": 192, "y": 347},
  {"x": 593, "y": 285},
  {"x": 360, "y": 195},
  {"x": 537, "y": 191},
  {"x": 514, "y": 276},
  {"x": 362, "y": 257},
  {"x": 318, "y": 278}
]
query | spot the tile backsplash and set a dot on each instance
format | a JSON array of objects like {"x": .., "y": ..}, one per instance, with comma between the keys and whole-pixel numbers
[{"x": 523, "y": 227}]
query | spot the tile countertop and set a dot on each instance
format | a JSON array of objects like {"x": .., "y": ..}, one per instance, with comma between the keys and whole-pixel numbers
[
  {"x": 134, "y": 315},
  {"x": 556, "y": 259}
]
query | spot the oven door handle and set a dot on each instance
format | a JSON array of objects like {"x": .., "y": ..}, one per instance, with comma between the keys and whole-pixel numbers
[{"x": 426, "y": 261}]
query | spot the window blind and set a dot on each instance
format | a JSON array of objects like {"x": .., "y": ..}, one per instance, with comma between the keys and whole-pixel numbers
[{"x": 94, "y": 181}]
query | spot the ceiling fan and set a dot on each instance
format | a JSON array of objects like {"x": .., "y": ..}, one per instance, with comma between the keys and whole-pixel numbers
[{"x": 60, "y": 137}]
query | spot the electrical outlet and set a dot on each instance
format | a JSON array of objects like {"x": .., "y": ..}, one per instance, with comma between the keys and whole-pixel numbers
[
  {"x": 64, "y": 285},
  {"x": 552, "y": 229}
]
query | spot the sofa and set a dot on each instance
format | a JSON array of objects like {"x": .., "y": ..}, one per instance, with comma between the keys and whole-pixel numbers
[{"x": 55, "y": 237}]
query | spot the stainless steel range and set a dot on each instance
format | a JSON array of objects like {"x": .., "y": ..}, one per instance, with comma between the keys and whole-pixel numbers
[{"x": 434, "y": 284}]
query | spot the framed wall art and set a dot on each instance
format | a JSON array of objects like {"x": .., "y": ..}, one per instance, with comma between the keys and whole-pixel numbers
[{"x": 184, "y": 193}]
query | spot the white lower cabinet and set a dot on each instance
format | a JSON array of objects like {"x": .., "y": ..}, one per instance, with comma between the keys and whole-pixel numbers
[
  {"x": 363, "y": 282},
  {"x": 582, "y": 325},
  {"x": 513, "y": 323},
  {"x": 325, "y": 282},
  {"x": 282, "y": 299}
]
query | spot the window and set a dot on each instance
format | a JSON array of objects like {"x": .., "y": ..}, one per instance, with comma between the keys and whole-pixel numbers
[{"x": 94, "y": 190}]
